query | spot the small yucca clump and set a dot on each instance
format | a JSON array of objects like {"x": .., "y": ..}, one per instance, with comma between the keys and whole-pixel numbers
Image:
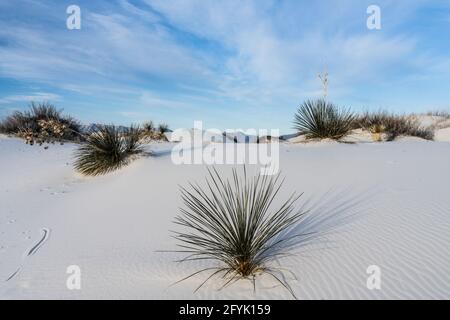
[
  {"x": 323, "y": 120},
  {"x": 150, "y": 132},
  {"x": 162, "y": 129},
  {"x": 234, "y": 223},
  {"x": 393, "y": 126},
  {"x": 108, "y": 149},
  {"x": 43, "y": 123},
  {"x": 401, "y": 126},
  {"x": 148, "y": 126}
]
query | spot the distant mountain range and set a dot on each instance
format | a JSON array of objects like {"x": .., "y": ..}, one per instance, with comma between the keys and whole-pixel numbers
[
  {"x": 233, "y": 137},
  {"x": 97, "y": 126},
  {"x": 236, "y": 137}
]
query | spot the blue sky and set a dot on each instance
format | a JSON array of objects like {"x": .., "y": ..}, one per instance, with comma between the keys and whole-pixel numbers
[{"x": 232, "y": 64}]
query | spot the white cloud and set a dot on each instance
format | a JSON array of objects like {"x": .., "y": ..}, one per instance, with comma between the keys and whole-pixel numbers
[
  {"x": 265, "y": 62},
  {"x": 133, "y": 44},
  {"x": 234, "y": 54},
  {"x": 111, "y": 49},
  {"x": 36, "y": 96},
  {"x": 152, "y": 100}
]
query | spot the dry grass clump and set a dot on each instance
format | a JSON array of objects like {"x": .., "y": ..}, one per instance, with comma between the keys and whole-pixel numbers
[
  {"x": 49, "y": 132},
  {"x": 393, "y": 126},
  {"x": 43, "y": 123},
  {"x": 234, "y": 222},
  {"x": 323, "y": 120},
  {"x": 108, "y": 149}
]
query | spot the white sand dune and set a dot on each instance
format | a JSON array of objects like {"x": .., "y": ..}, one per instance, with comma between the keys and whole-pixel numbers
[
  {"x": 384, "y": 204},
  {"x": 443, "y": 135}
]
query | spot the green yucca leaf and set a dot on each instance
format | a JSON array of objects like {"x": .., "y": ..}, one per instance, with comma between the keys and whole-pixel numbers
[
  {"x": 107, "y": 149},
  {"x": 234, "y": 221},
  {"x": 323, "y": 120}
]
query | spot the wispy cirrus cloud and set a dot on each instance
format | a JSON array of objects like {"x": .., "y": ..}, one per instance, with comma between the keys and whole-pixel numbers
[
  {"x": 35, "y": 96},
  {"x": 204, "y": 58}
]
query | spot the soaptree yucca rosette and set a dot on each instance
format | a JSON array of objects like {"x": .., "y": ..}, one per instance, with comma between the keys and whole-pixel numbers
[
  {"x": 321, "y": 119},
  {"x": 234, "y": 222},
  {"x": 108, "y": 149}
]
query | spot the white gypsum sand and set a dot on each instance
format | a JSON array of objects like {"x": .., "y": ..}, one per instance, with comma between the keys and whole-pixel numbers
[{"x": 383, "y": 204}]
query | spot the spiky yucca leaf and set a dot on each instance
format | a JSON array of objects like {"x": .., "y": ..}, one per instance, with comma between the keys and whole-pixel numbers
[
  {"x": 322, "y": 120},
  {"x": 107, "y": 149},
  {"x": 234, "y": 222},
  {"x": 133, "y": 138},
  {"x": 148, "y": 126}
]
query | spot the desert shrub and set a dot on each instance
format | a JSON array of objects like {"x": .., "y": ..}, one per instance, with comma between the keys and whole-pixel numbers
[
  {"x": 49, "y": 131},
  {"x": 42, "y": 123},
  {"x": 150, "y": 132},
  {"x": 393, "y": 126},
  {"x": 132, "y": 138},
  {"x": 322, "y": 120},
  {"x": 162, "y": 128},
  {"x": 401, "y": 126},
  {"x": 148, "y": 126},
  {"x": 108, "y": 149},
  {"x": 234, "y": 222},
  {"x": 3, "y": 128},
  {"x": 374, "y": 122}
]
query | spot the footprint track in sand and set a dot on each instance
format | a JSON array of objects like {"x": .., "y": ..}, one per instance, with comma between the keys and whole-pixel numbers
[
  {"x": 46, "y": 235},
  {"x": 32, "y": 251},
  {"x": 14, "y": 274},
  {"x": 56, "y": 193},
  {"x": 61, "y": 189}
]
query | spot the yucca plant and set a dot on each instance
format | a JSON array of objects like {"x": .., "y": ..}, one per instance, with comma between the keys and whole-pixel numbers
[
  {"x": 107, "y": 149},
  {"x": 393, "y": 125},
  {"x": 148, "y": 126},
  {"x": 402, "y": 126},
  {"x": 149, "y": 132},
  {"x": 163, "y": 128},
  {"x": 133, "y": 140},
  {"x": 30, "y": 122},
  {"x": 323, "y": 120},
  {"x": 234, "y": 222}
]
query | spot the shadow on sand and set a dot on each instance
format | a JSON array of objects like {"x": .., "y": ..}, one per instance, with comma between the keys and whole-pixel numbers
[{"x": 331, "y": 213}]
